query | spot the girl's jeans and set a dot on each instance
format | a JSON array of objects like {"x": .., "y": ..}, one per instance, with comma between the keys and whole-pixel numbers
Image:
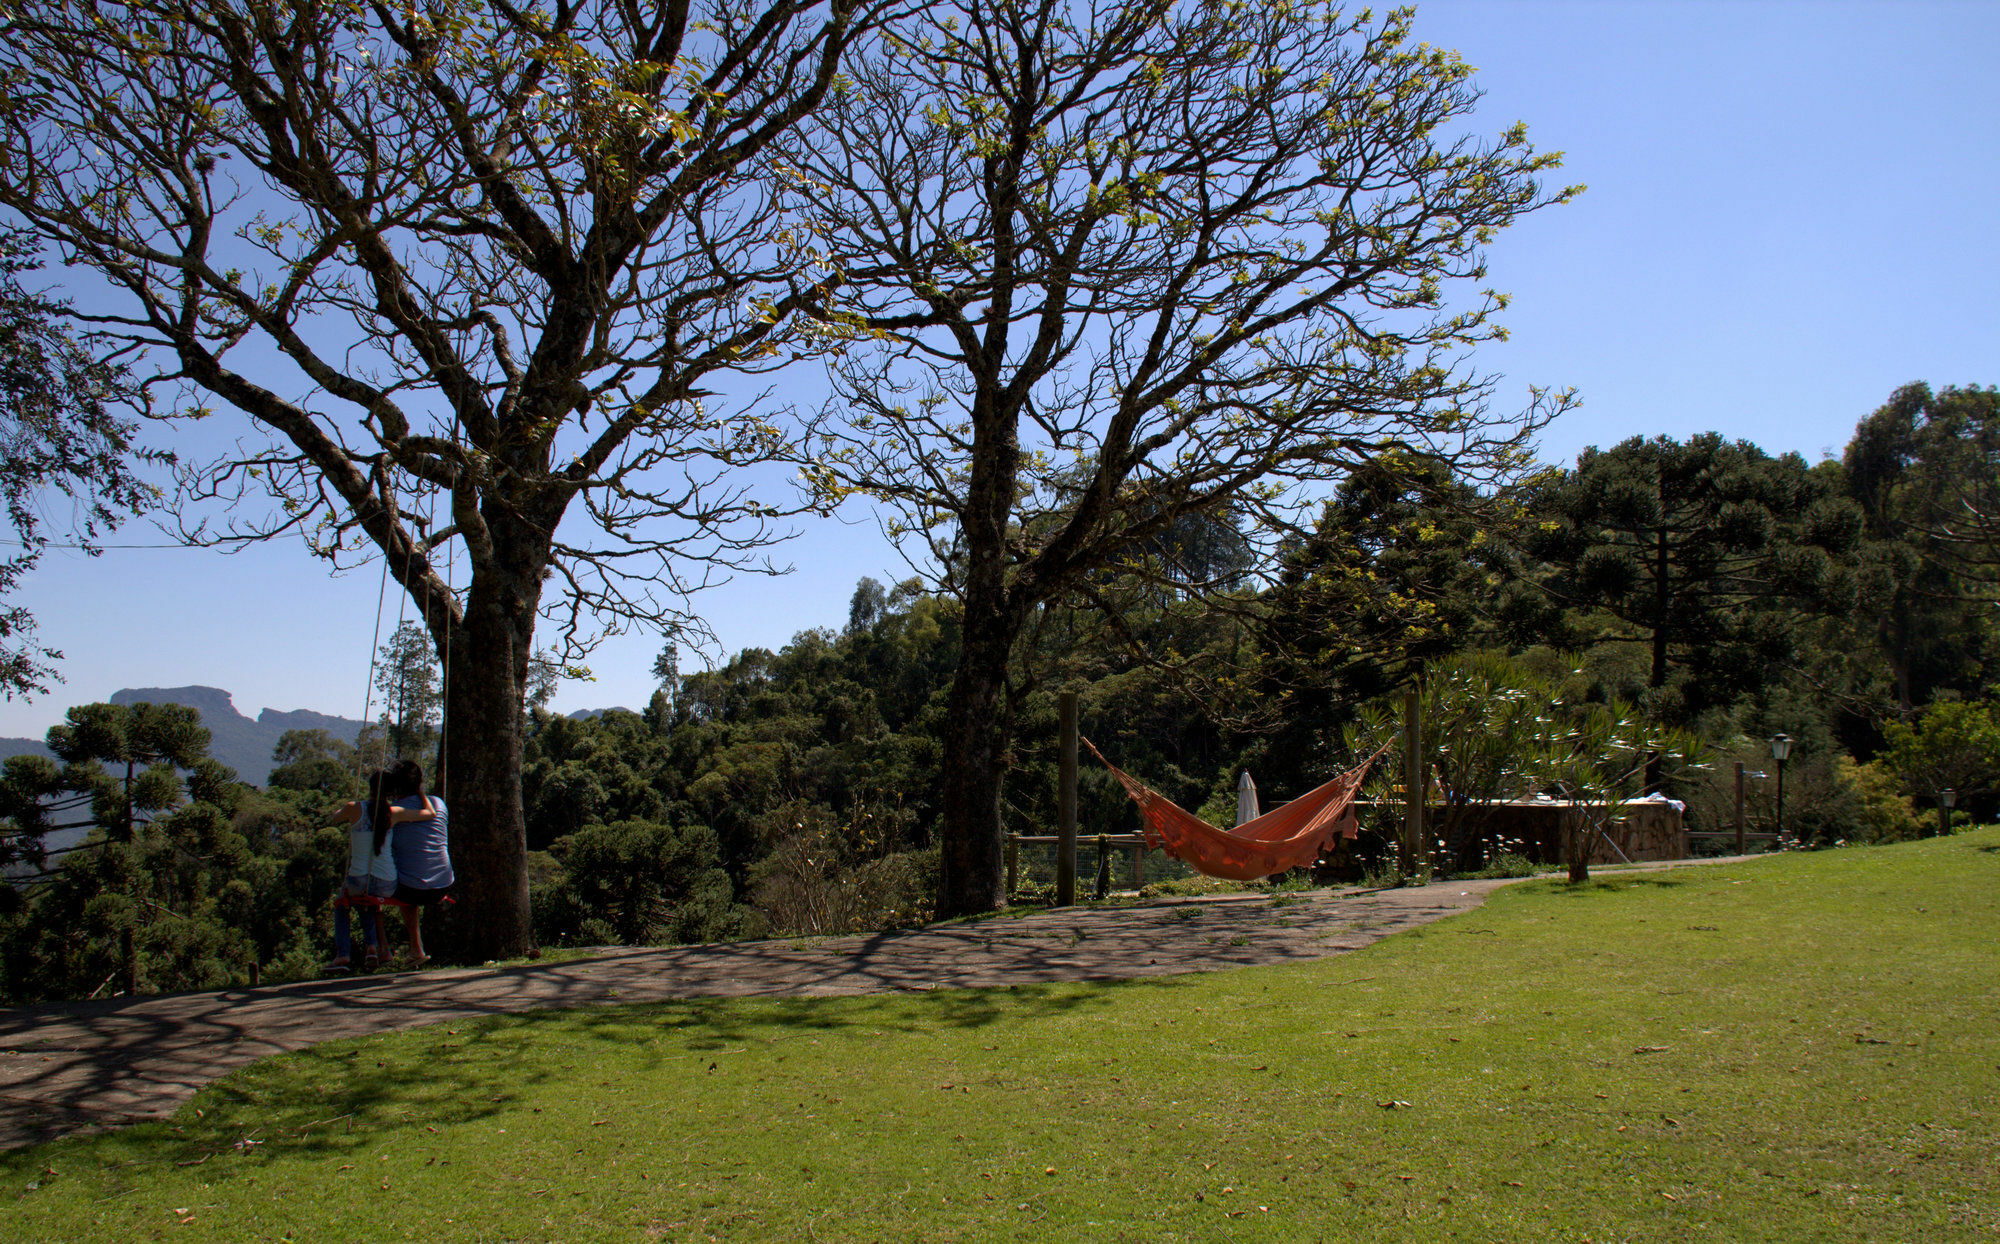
[{"x": 371, "y": 931}]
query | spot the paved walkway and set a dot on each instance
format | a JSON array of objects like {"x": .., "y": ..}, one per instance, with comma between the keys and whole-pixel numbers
[{"x": 81, "y": 1066}]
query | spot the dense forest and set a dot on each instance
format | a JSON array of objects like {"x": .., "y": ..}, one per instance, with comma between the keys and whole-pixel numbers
[{"x": 1704, "y": 591}]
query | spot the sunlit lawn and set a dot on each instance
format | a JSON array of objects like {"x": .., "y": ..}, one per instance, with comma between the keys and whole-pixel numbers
[{"x": 1799, "y": 1048}]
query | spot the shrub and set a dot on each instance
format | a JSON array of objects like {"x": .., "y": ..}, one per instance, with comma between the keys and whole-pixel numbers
[
  {"x": 1828, "y": 798},
  {"x": 1190, "y": 886},
  {"x": 823, "y": 877},
  {"x": 1032, "y": 893},
  {"x": 1954, "y": 745},
  {"x": 1882, "y": 812},
  {"x": 897, "y": 890}
]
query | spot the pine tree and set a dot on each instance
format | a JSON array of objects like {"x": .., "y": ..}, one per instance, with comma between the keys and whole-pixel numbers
[
  {"x": 406, "y": 674},
  {"x": 137, "y": 897},
  {"x": 1703, "y": 551}
]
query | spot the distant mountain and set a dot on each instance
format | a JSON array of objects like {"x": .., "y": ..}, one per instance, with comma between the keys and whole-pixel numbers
[
  {"x": 22, "y": 747},
  {"x": 237, "y": 741},
  {"x": 241, "y": 743}
]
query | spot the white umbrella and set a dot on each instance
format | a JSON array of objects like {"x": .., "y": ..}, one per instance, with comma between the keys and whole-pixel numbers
[{"x": 1246, "y": 799}]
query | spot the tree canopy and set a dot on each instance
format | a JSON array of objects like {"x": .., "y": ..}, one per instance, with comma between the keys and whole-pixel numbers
[
  {"x": 465, "y": 267},
  {"x": 1925, "y": 469}
]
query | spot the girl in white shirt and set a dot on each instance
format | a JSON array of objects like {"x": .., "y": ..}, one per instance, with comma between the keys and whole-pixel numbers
[{"x": 371, "y": 873}]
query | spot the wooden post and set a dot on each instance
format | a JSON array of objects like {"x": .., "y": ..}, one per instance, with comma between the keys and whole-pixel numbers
[
  {"x": 1741, "y": 848},
  {"x": 1066, "y": 805},
  {"x": 1013, "y": 865},
  {"x": 1413, "y": 783}
]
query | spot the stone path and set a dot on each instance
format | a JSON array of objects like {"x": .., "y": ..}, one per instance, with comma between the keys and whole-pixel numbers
[{"x": 82, "y": 1066}]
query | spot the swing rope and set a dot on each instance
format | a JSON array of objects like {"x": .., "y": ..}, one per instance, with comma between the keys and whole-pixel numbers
[
  {"x": 402, "y": 616},
  {"x": 451, "y": 594},
  {"x": 444, "y": 694},
  {"x": 368, "y": 690}
]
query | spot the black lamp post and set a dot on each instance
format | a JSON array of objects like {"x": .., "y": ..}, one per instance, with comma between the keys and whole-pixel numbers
[
  {"x": 1781, "y": 747},
  {"x": 1947, "y": 800}
]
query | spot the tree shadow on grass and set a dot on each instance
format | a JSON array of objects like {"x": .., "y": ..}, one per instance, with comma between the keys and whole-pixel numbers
[
  {"x": 1619, "y": 884},
  {"x": 342, "y": 1096},
  {"x": 325, "y": 1100},
  {"x": 714, "y": 1023}
]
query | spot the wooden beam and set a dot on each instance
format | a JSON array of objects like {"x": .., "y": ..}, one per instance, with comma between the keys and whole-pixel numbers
[
  {"x": 1739, "y": 808},
  {"x": 1066, "y": 805},
  {"x": 1413, "y": 783}
]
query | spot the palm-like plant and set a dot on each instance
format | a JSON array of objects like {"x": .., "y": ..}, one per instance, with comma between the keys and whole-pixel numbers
[
  {"x": 1493, "y": 728},
  {"x": 1595, "y": 757}
]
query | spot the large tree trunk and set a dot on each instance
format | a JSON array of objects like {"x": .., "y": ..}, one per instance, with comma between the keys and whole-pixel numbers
[
  {"x": 486, "y": 671},
  {"x": 972, "y": 875},
  {"x": 1894, "y": 636}
]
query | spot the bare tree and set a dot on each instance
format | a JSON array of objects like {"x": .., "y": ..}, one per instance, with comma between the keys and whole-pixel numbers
[
  {"x": 465, "y": 264},
  {"x": 1110, "y": 265}
]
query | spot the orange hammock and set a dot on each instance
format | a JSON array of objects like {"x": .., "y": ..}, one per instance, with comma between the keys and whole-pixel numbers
[{"x": 1292, "y": 836}]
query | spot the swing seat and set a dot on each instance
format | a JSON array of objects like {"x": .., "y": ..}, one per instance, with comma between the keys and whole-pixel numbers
[{"x": 356, "y": 901}]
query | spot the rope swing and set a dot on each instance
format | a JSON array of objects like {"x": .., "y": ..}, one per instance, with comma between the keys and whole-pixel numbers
[{"x": 402, "y": 616}]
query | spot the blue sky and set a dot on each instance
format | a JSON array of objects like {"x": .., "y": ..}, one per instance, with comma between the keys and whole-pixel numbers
[{"x": 1793, "y": 209}]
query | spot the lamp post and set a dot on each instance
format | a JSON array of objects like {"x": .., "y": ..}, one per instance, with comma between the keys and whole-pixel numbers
[
  {"x": 1947, "y": 800},
  {"x": 1781, "y": 747}
]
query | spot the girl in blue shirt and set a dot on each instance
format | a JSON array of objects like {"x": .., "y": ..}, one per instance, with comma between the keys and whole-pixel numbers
[{"x": 422, "y": 849}]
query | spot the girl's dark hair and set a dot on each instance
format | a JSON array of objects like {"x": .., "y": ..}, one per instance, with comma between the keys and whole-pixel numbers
[
  {"x": 405, "y": 778},
  {"x": 378, "y": 808}
]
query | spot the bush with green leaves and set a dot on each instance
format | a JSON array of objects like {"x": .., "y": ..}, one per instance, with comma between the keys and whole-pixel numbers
[
  {"x": 1952, "y": 746},
  {"x": 1881, "y": 812},
  {"x": 1484, "y": 720},
  {"x": 1505, "y": 864}
]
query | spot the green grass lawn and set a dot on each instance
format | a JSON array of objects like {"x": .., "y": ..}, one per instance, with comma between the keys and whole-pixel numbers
[{"x": 1799, "y": 1048}]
